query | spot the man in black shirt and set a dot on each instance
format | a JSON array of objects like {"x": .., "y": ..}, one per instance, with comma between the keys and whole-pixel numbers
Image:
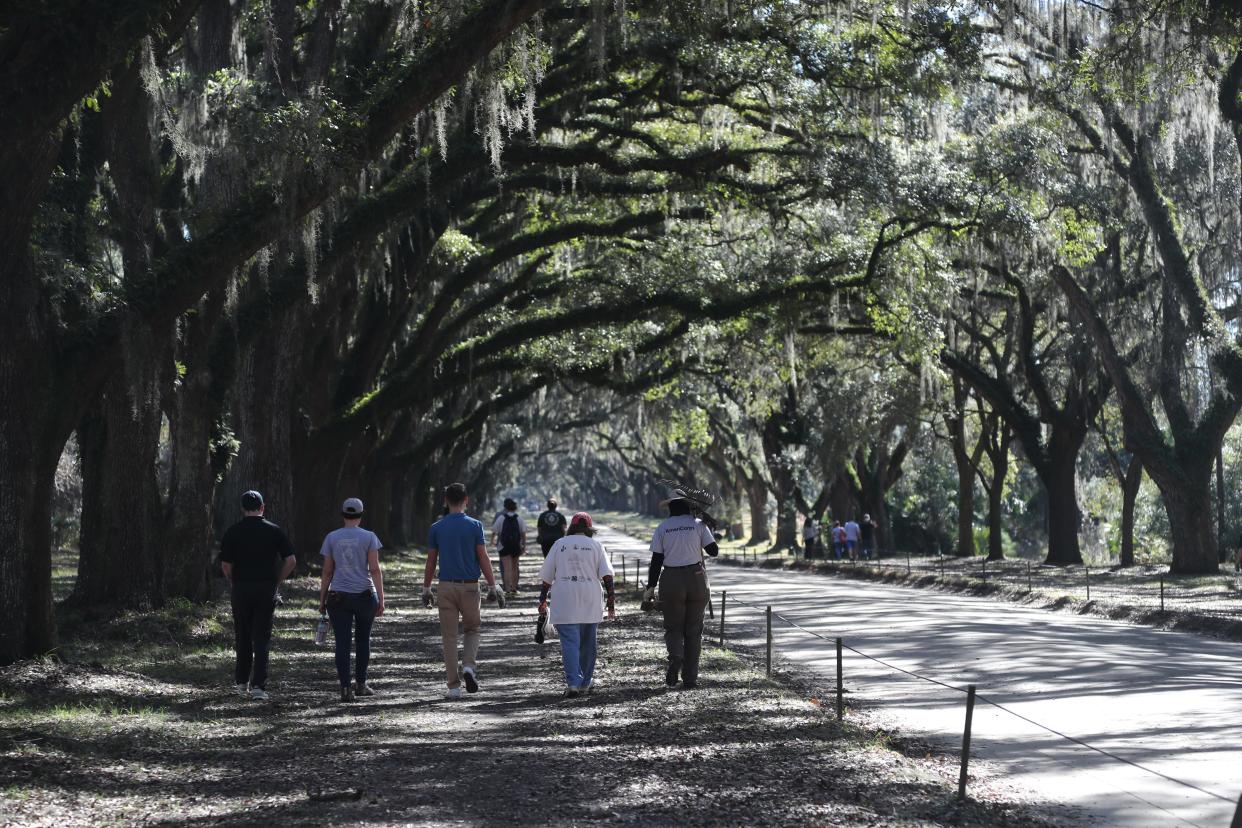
[
  {"x": 255, "y": 556},
  {"x": 551, "y": 527}
]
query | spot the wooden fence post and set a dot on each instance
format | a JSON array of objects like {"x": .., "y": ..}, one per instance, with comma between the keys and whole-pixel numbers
[
  {"x": 1162, "y": 593},
  {"x": 1086, "y": 573},
  {"x": 970, "y": 714},
  {"x": 723, "y": 597},
  {"x": 840, "y": 685},
  {"x": 769, "y": 641}
]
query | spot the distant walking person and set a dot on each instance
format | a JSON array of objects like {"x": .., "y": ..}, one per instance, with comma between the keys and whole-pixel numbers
[
  {"x": 550, "y": 527},
  {"x": 867, "y": 527},
  {"x": 810, "y": 536},
  {"x": 852, "y": 535},
  {"x": 576, "y": 565},
  {"x": 838, "y": 540},
  {"x": 255, "y": 556},
  {"x": 677, "y": 549},
  {"x": 509, "y": 536},
  {"x": 352, "y": 592},
  {"x": 456, "y": 546}
]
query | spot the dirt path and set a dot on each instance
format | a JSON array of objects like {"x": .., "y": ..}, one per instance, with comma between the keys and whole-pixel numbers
[{"x": 164, "y": 742}]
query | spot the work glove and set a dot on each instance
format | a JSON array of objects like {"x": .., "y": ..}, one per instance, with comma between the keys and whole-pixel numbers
[
  {"x": 649, "y": 595},
  {"x": 428, "y": 598},
  {"x": 497, "y": 595}
]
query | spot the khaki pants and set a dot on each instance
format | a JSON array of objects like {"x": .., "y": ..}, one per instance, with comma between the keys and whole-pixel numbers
[
  {"x": 459, "y": 601},
  {"x": 683, "y": 595}
]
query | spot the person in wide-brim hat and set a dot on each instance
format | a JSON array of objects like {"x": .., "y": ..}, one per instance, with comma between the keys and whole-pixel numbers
[{"x": 677, "y": 551}]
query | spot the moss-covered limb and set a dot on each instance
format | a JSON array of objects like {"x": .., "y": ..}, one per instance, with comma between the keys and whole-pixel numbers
[
  {"x": 1001, "y": 395},
  {"x": 495, "y": 405},
  {"x": 55, "y": 54},
  {"x": 224, "y": 241},
  {"x": 1143, "y": 434}
]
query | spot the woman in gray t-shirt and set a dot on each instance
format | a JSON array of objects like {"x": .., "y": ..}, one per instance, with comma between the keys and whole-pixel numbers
[{"x": 352, "y": 593}]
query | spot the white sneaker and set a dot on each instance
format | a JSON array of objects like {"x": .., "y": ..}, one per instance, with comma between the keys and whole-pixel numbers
[
  {"x": 242, "y": 690},
  {"x": 258, "y": 694},
  {"x": 454, "y": 693}
]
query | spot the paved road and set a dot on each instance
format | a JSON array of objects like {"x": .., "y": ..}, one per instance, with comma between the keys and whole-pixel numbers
[{"x": 1169, "y": 701}]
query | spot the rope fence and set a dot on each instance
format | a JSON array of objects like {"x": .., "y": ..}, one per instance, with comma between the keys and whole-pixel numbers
[
  {"x": 971, "y": 698},
  {"x": 1143, "y": 587}
]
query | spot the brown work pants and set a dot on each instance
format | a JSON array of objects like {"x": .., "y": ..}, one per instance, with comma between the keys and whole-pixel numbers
[
  {"x": 683, "y": 595},
  {"x": 459, "y": 601}
]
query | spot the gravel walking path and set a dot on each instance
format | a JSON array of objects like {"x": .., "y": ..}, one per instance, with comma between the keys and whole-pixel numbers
[{"x": 166, "y": 743}]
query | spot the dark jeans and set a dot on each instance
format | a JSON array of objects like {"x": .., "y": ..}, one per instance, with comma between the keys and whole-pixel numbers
[
  {"x": 545, "y": 545},
  {"x": 254, "y": 603},
  {"x": 359, "y": 607},
  {"x": 683, "y": 595}
]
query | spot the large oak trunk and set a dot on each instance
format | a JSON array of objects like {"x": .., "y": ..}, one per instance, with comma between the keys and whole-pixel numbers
[
  {"x": 1188, "y": 501},
  {"x": 1129, "y": 494},
  {"x": 27, "y": 472},
  {"x": 263, "y": 416},
  {"x": 1060, "y": 480},
  {"x": 190, "y": 541},
  {"x": 121, "y": 555},
  {"x": 965, "y": 511},
  {"x": 757, "y": 500},
  {"x": 786, "y": 524}
]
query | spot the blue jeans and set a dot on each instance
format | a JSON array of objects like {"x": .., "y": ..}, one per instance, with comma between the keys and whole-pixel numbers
[
  {"x": 359, "y": 607},
  {"x": 578, "y": 653}
]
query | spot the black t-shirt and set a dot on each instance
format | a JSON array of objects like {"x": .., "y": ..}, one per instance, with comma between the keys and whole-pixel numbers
[
  {"x": 551, "y": 525},
  {"x": 868, "y": 531},
  {"x": 255, "y": 547}
]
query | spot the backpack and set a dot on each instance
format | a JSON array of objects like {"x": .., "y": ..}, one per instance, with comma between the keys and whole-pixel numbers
[{"x": 510, "y": 535}]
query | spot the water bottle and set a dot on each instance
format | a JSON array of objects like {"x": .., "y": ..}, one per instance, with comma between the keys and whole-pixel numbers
[{"x": 321, "y": 631}]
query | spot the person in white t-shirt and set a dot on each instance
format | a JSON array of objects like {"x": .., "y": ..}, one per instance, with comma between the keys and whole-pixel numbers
[
  {"x": 677, "y": 548},
  {"x": 576, "y": 564}
]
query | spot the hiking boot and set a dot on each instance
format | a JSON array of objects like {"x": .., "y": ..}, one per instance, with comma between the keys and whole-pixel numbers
[
  {"x": 258, "y": 694},
  {"x": 670, "y": 677},
  {"x": 472, "y": 683},
  {"x": 453, "y": 694},
  {"x": 361, "y": 689},
  {"x": 689, "y": 685},
  {"x": 540, "y": 633},
  {"x": 347, "y": 694},
  {"x": 572, "y": 693}
]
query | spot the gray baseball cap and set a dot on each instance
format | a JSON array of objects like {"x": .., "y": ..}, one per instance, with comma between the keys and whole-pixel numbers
[{"x": 352, "y": 507}]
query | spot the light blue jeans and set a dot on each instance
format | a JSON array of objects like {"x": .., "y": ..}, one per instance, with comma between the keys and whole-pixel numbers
[{"x": 578, "y": 653}]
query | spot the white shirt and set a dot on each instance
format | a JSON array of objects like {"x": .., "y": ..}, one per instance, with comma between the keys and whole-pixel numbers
[
  {"x": 810, "y": 530},
  {"x": 499, "y": 524},
  {"x": 681, "y": 539},
  {"x": 574, "y": 567}
]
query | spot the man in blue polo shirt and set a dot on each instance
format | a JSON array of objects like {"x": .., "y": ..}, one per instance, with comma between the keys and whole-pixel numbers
[{"x": 456, "y": 544}]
